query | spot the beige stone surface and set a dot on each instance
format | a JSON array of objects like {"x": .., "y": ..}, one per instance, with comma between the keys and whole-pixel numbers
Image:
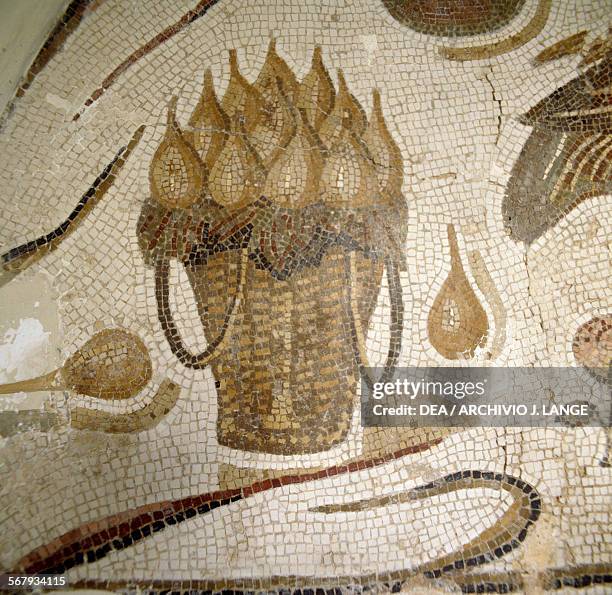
[
  {"x": 456, "y": 125},
  {"x": 24, "y": 26}
]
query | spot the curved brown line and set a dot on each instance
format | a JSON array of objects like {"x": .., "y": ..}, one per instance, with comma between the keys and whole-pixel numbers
[
  {"x": 166, "y": 319},
  {"x": 396, "y": 322},
  {"x": 506, "y": 535},
  {"x": 67, "y": 24},
  {"x": 551, "y": 579},
  {"x": 189, "y": 17},
  {"x": 528, "y": 32},
  {"x": 501, "y": 582},
  {"x": 18, "y": 259},
  {"x": 503, "y": 536},
  {"x": 104, "y": 530}
]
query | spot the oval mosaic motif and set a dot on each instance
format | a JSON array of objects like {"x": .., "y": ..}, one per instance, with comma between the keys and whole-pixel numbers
[{"x": 454, "y": 18}]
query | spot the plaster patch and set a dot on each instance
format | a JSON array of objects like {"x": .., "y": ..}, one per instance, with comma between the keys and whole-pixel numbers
[{"x": 23, "y": 353}]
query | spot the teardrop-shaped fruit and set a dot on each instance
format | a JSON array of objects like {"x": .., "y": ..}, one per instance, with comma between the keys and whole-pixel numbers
[
  {"x": 293, "y": 178},
  {"x": 276, "y": 126},
  {"x": 348, "y": 178},
  {"x": 384, "y": 151},
  {"x": 457, "y": 323},
  {"x": 177, "y": 174},
  {"x": 113, "y": 364},
  {"x": 208, "y": 125},
  {"x": 241, "y": 99},
  {"x": 237, "y": 175},
  {"x": 347, "y": 114},
  {"x": 276, "y": 68},
  {"x": 316, "y": 94}
]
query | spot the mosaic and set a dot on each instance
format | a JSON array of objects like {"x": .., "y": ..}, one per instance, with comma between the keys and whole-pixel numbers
[
  {"x": 454, "y": 18},
  {"x": 301, "y": 200},
  {"x": 218, "y": 216}
]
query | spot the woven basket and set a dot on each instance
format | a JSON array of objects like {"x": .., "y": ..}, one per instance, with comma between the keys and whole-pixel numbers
[
  {"x": 284, "y": 204},
  {"x": 287, "y": 381}
]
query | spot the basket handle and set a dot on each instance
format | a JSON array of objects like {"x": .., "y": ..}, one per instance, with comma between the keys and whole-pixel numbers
[
  {"x": 166, "y": 319},
  {"x": 396, "y": 323}
]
